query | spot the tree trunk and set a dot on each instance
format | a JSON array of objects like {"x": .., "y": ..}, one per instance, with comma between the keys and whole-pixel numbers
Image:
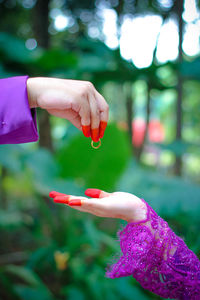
[
  {"x": 140, "y": 149},
  {"x": 41, "y": 22},
  {"x": 129, "y": 113},
  {"x": 178, "y": 163},
  {"x": 41, "y": 25}
]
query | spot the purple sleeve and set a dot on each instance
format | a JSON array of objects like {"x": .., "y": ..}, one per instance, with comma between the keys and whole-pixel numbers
[
  {"x": 17, "y": 120},
  {"x": 158, "y": 259}
]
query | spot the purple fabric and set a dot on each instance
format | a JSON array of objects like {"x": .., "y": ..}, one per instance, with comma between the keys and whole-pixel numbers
[
  {"x": 17, "y": 120},
  {"x": 158, "y": 259}
]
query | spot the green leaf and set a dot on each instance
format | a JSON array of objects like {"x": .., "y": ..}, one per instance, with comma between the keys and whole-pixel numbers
[
  {"x": 14, "y": 49},
  {"x": 38, "y": 256},
  {"x": 36, "y": 288},
  {"x": 55, "y": 59},
  {"x": 96, "y": 236},
  {"x": 29, "y": 293},
  {"x": 72, "y": 293},
  {"x": 25, "y": 274},
  {"x": 126, "y": 290}
]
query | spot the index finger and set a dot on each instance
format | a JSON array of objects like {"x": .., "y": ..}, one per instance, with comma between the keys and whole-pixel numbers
[
  {"x": 53, "y": 194},
  {"x": 93, "y": 206},
  {"x": 78, "y": 201}
]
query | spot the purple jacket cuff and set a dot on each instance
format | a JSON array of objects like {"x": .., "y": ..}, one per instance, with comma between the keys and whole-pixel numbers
[{"x": 17, "y": 120}]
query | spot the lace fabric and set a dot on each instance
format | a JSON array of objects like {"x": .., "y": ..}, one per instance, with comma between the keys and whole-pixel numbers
[{"x": 158, "y": 259}]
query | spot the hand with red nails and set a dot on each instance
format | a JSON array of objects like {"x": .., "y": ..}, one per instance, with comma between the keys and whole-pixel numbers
[
  {"x": 74, "y": 100},
  {"x": 119, "y": 205},
  {"x": 150, "y": 251}
]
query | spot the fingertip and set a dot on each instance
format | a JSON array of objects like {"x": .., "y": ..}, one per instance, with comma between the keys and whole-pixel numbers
[
  {"x": 53, "y": 194},
  {"x": 95, "y": 135},
  {"x": 103, "y": 125},
  {"x": 75, "y": 202},
  {"x": 86, "y": 130},
  {"x": 62, "y": 199},
  {"x": 93, "y": 193}
]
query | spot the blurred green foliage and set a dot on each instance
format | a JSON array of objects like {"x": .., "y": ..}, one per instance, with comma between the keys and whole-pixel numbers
[
  {"x": 51, "y": 252},
  {"x": 95, "y": 168}
]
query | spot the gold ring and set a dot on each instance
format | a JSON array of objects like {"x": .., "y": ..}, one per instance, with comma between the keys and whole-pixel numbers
[{"x": 96, "y": 147}]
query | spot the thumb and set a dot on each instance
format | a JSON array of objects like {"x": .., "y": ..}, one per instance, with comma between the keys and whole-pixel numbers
[{"x": 96, "y": 193}]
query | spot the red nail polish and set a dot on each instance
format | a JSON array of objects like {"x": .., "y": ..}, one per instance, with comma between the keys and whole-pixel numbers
[
  {"x": 75, "y": 202},
  {"x": 86, "y": 130},
  {"x": 103, "y": 125},
  {"x": 61, "y": 199},
  {"x": 94, "y": 193},
  {"x": 54, "y": 194},
  {"x": 95, "y": 135}
]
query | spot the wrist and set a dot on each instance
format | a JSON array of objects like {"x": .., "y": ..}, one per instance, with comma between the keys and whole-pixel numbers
[
  {"x": 138, "y": 214},
  {"x": 31, "y": 92}
]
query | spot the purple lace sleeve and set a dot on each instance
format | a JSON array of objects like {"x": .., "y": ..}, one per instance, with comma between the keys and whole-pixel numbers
[{"x": 158, "y": 259}]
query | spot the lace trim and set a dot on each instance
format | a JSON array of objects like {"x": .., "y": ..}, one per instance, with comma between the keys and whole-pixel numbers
[{"x": 158, "y": 259}]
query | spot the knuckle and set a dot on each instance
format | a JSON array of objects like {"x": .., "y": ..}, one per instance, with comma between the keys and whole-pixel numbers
[
  {"x": 85, "y": 112},
  {"x": 89, "y": 85},
  {"x": 86, "y": 89},
  {"x": 95, "y": 112},
  {"x": 83, "y": 92}
]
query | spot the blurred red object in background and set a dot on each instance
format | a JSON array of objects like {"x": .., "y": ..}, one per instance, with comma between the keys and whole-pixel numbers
[{"x": 156, "y": 132}]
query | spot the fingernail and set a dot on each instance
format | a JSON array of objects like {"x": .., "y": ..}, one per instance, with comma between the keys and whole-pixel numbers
[
  {"x": 61, "y": 199},
  {"x": 86, "y": 130},
  {"x": 103, "y": 125},
  {"x": 94, "y": 193},
  {"x": 95, "y": 135},
  {"x": 75, "y": 202},
  {"x": 54, "y": 194}
]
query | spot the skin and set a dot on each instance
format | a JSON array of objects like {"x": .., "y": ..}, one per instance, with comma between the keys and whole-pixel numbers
[
  {"x": 74, "y": 100},
  {"x": 119, "y": 205}
]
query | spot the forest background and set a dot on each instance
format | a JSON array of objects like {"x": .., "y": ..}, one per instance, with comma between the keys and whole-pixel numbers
[{"x": 151, "y": 146}]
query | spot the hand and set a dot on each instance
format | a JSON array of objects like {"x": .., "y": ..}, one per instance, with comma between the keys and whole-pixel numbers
[
  {"x": 120, "y": 205},
  {"x": 74, "y": 100}
]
